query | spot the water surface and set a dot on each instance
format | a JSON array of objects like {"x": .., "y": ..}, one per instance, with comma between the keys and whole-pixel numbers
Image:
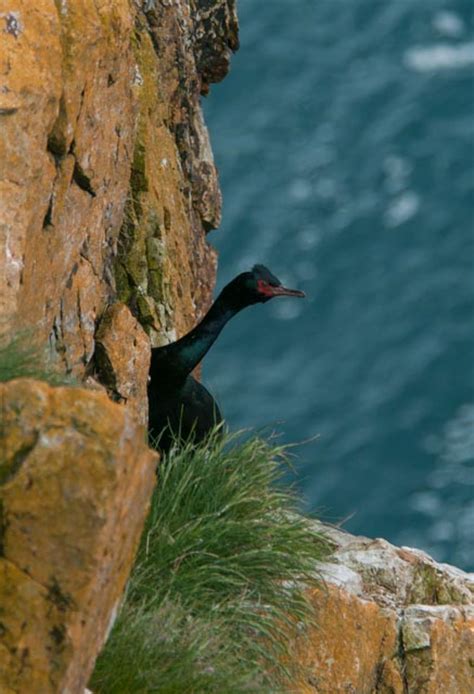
[{"x": 344, "y": 138}]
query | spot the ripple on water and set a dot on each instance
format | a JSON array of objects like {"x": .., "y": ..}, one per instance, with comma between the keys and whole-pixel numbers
[
  {"x": 397, "y": 170},
  {"x": 459, "y": 437},
  {"x": 309, "y": 237},
  {"x": 402, "y": 208},
  {"x": 445, "y": 502},
  {"x": 440, "y": 56},
  {"x": 287, "y": 310},
  {"x": 346, "y": 160},
  {"x": 448, "y": 24},
  {"x": 300, "y": 189}
]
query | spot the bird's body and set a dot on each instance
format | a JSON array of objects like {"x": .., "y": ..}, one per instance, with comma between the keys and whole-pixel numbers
[
  {"x": 180, "y": 406},
  {"x": 184, "y": 411}
]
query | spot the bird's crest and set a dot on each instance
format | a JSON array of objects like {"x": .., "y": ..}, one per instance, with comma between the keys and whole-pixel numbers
[{"x": 263, "y": 273}]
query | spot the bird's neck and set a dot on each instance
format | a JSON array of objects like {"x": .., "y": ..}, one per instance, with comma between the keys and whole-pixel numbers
[{"x": 187, "y": 353}]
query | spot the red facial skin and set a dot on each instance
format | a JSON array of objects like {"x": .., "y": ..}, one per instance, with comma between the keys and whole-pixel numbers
[
  {"x": 264, "y": 288},
  {"x": 267, "y": 290}
]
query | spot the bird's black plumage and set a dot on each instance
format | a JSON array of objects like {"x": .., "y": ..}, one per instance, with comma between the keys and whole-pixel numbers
[{"x": 178, "y": 404}]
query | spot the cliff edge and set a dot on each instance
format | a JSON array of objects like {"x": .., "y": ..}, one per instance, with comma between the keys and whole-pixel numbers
[{"x": 391, "y": 620}]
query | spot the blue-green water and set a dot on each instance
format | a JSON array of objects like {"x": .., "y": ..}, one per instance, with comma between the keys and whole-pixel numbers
[{"x": 344, "y": 138}]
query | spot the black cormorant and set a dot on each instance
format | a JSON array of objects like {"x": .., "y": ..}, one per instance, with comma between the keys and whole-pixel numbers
[{"x": 178, "y": 404}]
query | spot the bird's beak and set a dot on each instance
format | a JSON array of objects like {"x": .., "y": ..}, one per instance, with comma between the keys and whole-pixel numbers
[{"x": 284, "y": 291}]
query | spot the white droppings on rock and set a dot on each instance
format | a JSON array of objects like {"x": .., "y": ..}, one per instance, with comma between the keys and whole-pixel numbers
[
  {"x": 14, "y": 264},
  {"x": 137, "y": 79},
  {"x": 341, "y": 576},
  {"x": 389, "y": 575}
]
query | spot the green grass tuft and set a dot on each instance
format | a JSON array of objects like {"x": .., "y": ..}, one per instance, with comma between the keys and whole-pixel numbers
[
  {"x": 22, "y": 357},
  {"x": 219, "y": 582}
]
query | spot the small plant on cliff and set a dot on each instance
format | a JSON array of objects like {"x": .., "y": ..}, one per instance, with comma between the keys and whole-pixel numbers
[
  {"x": 22, "y": 357},
  {"x": 218, "y": 588}
]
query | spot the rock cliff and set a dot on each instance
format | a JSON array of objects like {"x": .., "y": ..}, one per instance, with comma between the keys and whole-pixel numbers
[
  {"x": 390, "y": 621},
  {"x": 107, "y": 189},
  {"x": 108, "y": 184},
  {"x": 75, "y": 480}
]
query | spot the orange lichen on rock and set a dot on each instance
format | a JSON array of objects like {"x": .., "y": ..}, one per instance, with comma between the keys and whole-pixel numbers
[
  {"x": 438, "y": 643},
  {"x": 76, "y": 477},
  {"x": 107, "y": 187},
  {"x": 353, "y": 640},
  {"x": 68, "y": 111},
  {"x": 123, "y": 359},
  {"x": 107, "y": 178},
  {"x": 165, "y": 268},
  {"x": 389, "y": 621}
]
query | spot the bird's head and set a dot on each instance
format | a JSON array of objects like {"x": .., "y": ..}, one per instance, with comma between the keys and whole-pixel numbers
[{"x": 256, "y": 287}]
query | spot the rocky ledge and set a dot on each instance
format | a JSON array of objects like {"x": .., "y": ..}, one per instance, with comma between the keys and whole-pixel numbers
[
  {"x": 75, "y": 479},
  {"x": 391, "y": 620}
]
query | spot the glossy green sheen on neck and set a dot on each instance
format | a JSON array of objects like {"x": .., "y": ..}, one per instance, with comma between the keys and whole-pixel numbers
[
  {"x": 185, "y": 354},
  {"x": 192, "y": 348}
]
